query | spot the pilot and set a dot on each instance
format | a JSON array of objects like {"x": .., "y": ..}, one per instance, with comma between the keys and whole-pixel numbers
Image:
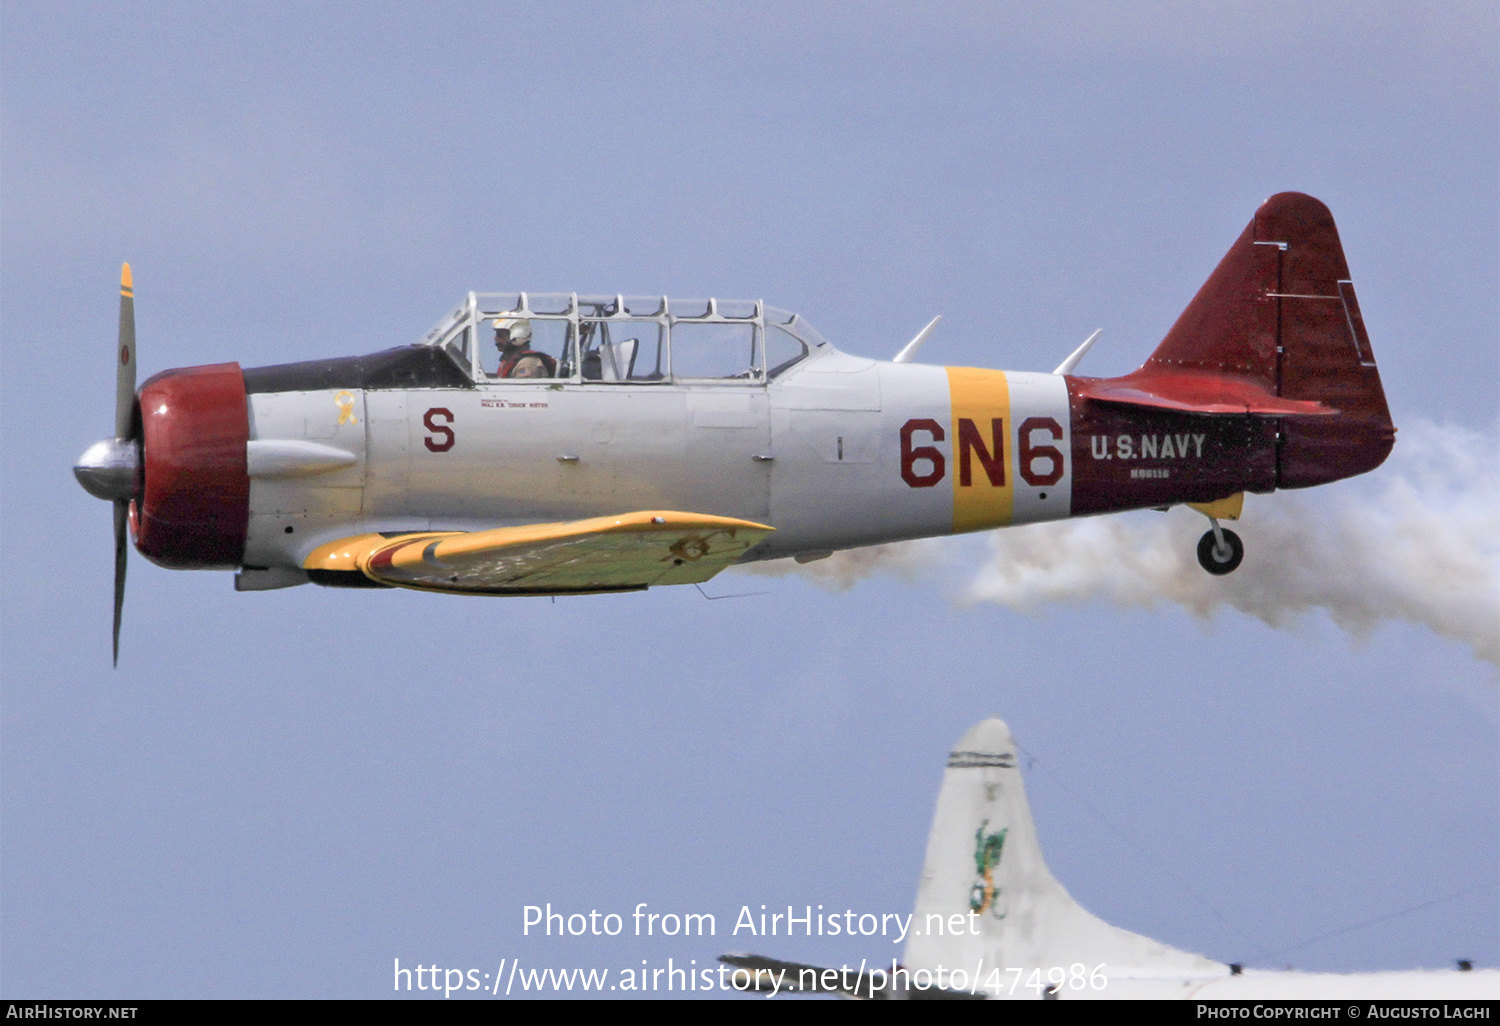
[{"x": 517, "y": 359}]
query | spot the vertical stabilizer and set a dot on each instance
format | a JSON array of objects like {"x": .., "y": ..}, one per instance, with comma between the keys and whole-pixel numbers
[
  {"x": 1275, "y": 332},
  {"x": 985, "y": 867}
]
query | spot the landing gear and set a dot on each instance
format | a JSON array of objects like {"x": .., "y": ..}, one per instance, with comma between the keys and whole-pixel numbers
[{"x": 1220, "y": 550}]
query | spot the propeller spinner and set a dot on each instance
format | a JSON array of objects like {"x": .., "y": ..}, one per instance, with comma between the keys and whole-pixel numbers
[{"x": 111, "y": 469}]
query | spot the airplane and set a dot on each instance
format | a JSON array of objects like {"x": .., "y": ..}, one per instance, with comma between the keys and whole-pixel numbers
[
  {"x": 991, "y": 922},
  {"x": 610, "y": 443}
]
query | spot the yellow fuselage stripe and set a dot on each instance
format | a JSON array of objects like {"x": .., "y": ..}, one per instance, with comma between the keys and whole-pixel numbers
[{"x": 983, "y": 468}]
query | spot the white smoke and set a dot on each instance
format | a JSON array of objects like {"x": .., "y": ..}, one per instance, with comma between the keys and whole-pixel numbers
[
  {"x": 843, "y": 570},
  {"x": 1418, "y": 540}
]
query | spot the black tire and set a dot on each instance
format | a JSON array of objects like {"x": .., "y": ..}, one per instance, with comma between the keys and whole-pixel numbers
[{"x": 1206, "y": 556}]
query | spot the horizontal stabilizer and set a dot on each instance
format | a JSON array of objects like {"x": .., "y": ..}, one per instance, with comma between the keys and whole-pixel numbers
[
  {"x": 1199, "y": 393},
  {"x": 619, "y": 553}
]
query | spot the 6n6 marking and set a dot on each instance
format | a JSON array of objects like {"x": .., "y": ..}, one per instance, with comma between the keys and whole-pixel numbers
[{"x": 1040, "y": 463}]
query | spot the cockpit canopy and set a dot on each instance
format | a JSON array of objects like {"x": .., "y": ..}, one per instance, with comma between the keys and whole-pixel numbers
[{"x": 563, "y": 336}]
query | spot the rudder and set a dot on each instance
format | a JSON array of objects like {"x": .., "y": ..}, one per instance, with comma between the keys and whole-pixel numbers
[{"x": 1326, "y": 352}]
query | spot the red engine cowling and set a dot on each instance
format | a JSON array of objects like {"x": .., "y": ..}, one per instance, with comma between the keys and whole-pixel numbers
[{"x": 194, "y": 505}]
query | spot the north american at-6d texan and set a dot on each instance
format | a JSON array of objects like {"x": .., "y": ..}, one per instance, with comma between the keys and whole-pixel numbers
[{"x": 610, "y": 443}]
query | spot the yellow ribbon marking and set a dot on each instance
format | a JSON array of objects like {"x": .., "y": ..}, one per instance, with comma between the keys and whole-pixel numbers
[{"x": 345, "y": 400}]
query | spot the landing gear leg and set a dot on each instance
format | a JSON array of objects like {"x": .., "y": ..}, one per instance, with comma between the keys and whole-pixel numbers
[{"x": 1220, "y": 550}]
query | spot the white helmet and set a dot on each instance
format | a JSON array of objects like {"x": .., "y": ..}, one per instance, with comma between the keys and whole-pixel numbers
[{"x": 519, "y": 328}]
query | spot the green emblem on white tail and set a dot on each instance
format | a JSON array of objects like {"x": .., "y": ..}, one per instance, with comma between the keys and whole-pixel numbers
[{"x": 987, "y": 850}]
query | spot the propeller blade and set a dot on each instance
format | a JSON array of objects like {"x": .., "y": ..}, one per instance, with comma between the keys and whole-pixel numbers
[
  {"x": 125, "y": 372},
  {"x": 122, "y": 549},
  {"x": 124, "y": 413}
]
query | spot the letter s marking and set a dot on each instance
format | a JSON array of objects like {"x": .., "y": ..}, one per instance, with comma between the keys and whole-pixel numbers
[{"x": 442, "y": 438}]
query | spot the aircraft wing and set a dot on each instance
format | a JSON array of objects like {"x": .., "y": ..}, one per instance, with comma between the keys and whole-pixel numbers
[{"x": 627, "y": 552}]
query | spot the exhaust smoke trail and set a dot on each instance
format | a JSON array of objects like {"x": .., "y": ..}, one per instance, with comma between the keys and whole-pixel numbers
[
  {"x": 843, "y": 570},
  {"x": 1418, "y": 540}
]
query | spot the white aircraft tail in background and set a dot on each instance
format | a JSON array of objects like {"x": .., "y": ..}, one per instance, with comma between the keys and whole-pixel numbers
[
  {"x": 985, "y": 866},
  {"x": 992, "y": 922}
]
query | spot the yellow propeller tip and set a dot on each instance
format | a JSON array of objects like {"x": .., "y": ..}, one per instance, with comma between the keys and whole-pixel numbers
[{"x": 125, "y": 280}]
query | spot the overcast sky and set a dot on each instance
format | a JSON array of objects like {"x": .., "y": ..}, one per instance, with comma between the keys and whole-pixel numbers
[{"x": 277, "y": 794}]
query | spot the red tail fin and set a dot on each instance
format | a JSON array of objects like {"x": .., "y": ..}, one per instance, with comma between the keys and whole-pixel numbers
[{"x": 1276, "y": 331}]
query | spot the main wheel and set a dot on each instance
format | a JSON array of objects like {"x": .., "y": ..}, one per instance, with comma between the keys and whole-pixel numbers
[{"x": 1215, "y": 560}]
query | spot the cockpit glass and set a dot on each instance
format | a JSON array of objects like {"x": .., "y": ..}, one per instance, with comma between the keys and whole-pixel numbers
[
  {"x": 547, "y": 353},
  {"x": 550, "y": 302},
  {"x": 598, "y": 306},
  {"x": 783, "y": 349},
  {"x": 491, "y": 303},
  {"x": 518, "y": 336},
  {"x": 645, "y": 306},
  {"x": 789, "y": 338},
  {"x": 623, "y": 349},
  {"x": 806, "y": 332},
  {"x": 458, "y": 346},
  {"x": 714, "y": 350}
]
